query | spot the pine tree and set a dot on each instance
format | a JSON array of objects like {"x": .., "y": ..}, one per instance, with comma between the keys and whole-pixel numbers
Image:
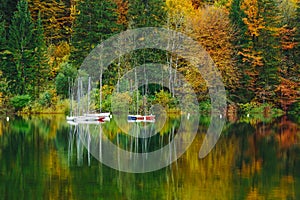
[
  {"x": 269, "y": 45},
  {"x": 7, "y": 8},
  {"x": 41, "y": 60},
  {"x": 3, "y": 82},
  {"x": 259, "y": 53},
  {"x": 241, "y": 42},
  {"x": 6, "y": 69},
  {"x": 148, "y": 13},
  {"x": 56, "y": 17},
  {"x": 96, "y": 21},
  {"x": 236, "y": 16},
  {"x": 21, "y": 45},
  {"x": 2, "y": 35}
]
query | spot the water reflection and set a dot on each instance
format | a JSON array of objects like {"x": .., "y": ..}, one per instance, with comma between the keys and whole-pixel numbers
[
  {"x": 31, "y": 163},
  {"x": 44, "y": 157},
  {"x": 132, "y": 150}
]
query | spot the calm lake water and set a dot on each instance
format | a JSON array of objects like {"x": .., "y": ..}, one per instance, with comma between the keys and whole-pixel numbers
[{"x": 42, "y": 157}]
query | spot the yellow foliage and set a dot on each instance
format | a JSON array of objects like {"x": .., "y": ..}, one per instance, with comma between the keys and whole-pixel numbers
[
  {"x": 179, "y": 11},
  {"x": 211, "y": 27},
  {"x": 254, "y": 21},
  {"x": 58, "y": 54}
]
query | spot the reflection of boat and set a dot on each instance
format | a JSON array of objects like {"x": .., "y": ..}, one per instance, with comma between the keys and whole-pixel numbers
[
  {"x": 84, "y": 122},
  {"x": 96, "y": 117},
  {"x": 141, "y": 118},
  {"x": 101, "y": 116}
]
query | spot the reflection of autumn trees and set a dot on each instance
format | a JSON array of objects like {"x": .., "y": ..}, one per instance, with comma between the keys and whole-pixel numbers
[
  {"x": 30, "y": 160},
  {"x": 268, "y": 160},
  {"x": 289, "y": 133},
  {"x": 265, "y": 161},
  {"x": 198, "y": 178},
  {"x": 284, "y": 131},
  {"x": 252, "y": 160}
]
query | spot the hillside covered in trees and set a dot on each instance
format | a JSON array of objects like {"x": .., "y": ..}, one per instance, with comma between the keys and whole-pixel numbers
[{"x": 255, "y": 44}]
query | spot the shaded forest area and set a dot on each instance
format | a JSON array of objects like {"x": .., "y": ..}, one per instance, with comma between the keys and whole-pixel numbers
[{"x": 254, "y": 43}]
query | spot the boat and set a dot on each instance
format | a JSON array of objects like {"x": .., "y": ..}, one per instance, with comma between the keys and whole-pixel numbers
[
  {"x": 141, "y": 118},
  {"x": 90, "y": 117},
  {"x": 86, "y": 117}
]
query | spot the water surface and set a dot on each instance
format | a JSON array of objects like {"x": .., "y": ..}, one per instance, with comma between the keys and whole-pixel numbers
[{"x": 42, "y": 157}]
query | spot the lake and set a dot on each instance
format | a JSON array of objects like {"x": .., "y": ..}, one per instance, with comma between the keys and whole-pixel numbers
[{"x": 43, "y": 157}]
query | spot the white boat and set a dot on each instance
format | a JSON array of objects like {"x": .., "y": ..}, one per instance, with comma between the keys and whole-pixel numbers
[
  {"x": 90, "y": 117},
  {"x": 98, "y": 115}
]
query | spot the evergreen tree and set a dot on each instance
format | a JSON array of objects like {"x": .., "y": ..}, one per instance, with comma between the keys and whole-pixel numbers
[
  {"x": 7, "y": 8},
  {"x": 2, "y": 35},
  {"x": 269, "y": 44},
  {"x": 41, "y": 60},
  {"x": 236, "y": 16},
  {"x": 2, "y": 48},
  {"x": 147, "y": 13},
  {"x": 56, "y": 17},
  {"x": 7, "y": 71},
  {"x": 96, "y": 21},
  {"x": 259, "y": 50},
  {"x": 21, "y": 45},
  {"x": 241, "y": 42}
]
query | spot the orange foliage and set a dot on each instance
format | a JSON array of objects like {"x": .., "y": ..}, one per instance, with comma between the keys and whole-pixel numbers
[
  {"x": 287, "y": 38},
  {"x": 287, "y": 136},
  {"x": 288, "y": 92},
  {"x": 253, "y": 57},
  {"x": 211, "y": 27},
  {"x": 122, "y": 11},
  {"x": 254, "y": 21}
]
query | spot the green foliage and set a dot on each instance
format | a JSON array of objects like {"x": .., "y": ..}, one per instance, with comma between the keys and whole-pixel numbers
[
  {"x": 64, "y": 79},
  {"x": 236, "y": 16},
  {"x": 2, "y": 34},
  {"x": 295, "y": 108},
  {"x": 204, "y": 106},
  {"x": 106, "y": 99},
  {"x": 45, "y": 99},
  {"x": 149, "y": 13},
  {"x": 25, "y": 57},
  {"x": 265, "y": 49},
  {"x": 121, "y": 102},
  {"x": 41, "y": 57},
  {"x": 165, "y": 99},
  {"x": 20, "y": 101},
  {"x": 95, "y": 22},
  {"x": 7, "y": 8},
  {"x": 21, "y": 44},
  {"x": 256, "y": 110}
]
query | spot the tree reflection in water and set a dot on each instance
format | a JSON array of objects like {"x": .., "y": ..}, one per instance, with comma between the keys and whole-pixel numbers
[{"x": 43, "y": 157}]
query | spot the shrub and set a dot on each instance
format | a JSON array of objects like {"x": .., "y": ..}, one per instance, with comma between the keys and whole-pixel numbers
[
  {"x": 45, "y": 99},
  {"x": 20, "y": 101}
]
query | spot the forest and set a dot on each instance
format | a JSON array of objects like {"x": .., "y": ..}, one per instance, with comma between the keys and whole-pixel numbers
[{"x": 255, "y": 45}]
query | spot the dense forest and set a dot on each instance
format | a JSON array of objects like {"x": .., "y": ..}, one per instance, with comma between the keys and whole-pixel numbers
[{"x": 255, "y": 44}]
